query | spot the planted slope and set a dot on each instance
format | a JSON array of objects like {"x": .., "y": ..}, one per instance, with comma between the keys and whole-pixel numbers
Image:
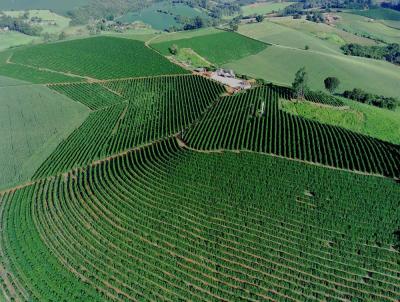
[
  {"x": 163, "y": 223},
  {"x": 93, "y": 95},
  {"x": 29, "y": 74},
  {"x": 100, "y": 58},
  {"x": 33, "y": 121},
  {"x": 218, "y": 48},
  {"x": 237, "y": 123},
  {"x": 156, "y": 108}
]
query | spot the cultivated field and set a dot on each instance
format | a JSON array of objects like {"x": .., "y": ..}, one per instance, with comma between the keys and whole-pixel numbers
[
  {"x": 167, "y": 223},
  {"x": 154, "y": 108},
  {"x": 90, "y": 58},
  {"x": 241, "y": 126},
  {"x": 362, "y": 118},
  {"x": 137, "y": 181},
  {"x": 219, "y": 48},
  {"x": 34, "y": 120},
  {"x": 264, "y": 8}
]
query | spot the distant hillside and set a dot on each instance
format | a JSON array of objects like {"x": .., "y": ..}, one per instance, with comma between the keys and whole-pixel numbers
[{"x": 60, "y": 6}]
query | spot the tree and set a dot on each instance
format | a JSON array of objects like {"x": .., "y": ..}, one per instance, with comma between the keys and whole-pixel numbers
[
  {"x": 300, "y": 83},
  {"x": 331, "y": 84},
  {"x": 259, "y": 18},
  {"x": 62, "y": 36},
  {"x": 173, "y": 49}
]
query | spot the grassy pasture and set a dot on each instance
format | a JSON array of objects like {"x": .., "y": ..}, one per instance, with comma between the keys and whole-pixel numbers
[
  {"x": 12, "y": 39},
  {"x": 161, "y": 20},
  {"x": 264, "y": 8},
  {"x": 33, "y": 121},
  {"x": 61, "y": 6},
  {"x": 364, "y": 26},
  {"x": 51, "y": 23},
  {"x": 369, "y": 120},
  {"x": 219, "y": 48},
  {"x": 271, "y": 32},
  {"x": 379, "y": 14},
  {"x": 322, "y": 31},
  {"x": 279, "y": 64},
  {"x": 99, "y": 57}
]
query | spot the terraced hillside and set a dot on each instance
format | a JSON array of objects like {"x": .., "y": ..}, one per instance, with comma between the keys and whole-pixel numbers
[
  {"x": 173, "y": 190},
  {"x": 154, "y": 224},
  {"x": 91, "y": 58},
  {"x": 253, "y": 121},
  {"x": 146, "y": 110}
]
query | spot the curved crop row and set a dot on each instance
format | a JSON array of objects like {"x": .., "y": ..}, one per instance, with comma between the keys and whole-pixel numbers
[
  {"x": 154, "y": 224},
  {"x": 253, "y": 121},
  {"x": 93, "y": 95},
  {"x": 155, "y": 108}
]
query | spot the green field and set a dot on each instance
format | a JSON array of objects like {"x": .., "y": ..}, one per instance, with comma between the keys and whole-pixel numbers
[
  {"x": 12, "y": 39},
  {"x": 162, "y": 20},
  {"x": 369, "y": 120},
  {"x": 278, "y": 63},
  {"x": 219, "y": 48},
  {"x": 34, "y": 120},
  {"x": 273, "y": 131},
  {"x": 124, "y": 177},
  {"x": 322, "y": 31},
  {"x": 145, "y": 111},
  {"x": 185, "y": 225},
  {"x": 61, "y": 6},
  {"x": 90, "y": 58},
  {"x": 51, "y": 23},
  {"x": 264, "y": 8},
  {"x": 30, "y": 74},
  {"x": 379, "y": 13},
  {"x": 369, "y": 28}
]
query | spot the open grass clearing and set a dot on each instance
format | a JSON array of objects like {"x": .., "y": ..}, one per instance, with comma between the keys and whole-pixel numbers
[
  {"x": 364, "y": 26},
  {"x": 263, "y": 8},
  {"x": 279, "y": 64},
  {"x": 61, "y": 6},
  {"x": 376, "y": 122},
  {"x": 13, "y": 38},
  {"x": 322, "y": 31}
]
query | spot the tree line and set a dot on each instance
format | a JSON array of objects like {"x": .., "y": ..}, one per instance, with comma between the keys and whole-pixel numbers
[
  {"x": 390, "y": 52},
  {"x": 300, "y": 88}
]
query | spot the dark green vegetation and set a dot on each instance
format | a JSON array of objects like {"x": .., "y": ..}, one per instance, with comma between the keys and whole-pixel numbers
[
  {"x": 218, "y": 48},
  {"x": 165, "y": 15},
  {"x": 91, "y": 58},
  {"x": 390, "y": 53},
  {"x": 19, "y": 24},
  {"x": 379, "y": 13},
  {"x": 322, "y": 98},
  {"x": 93, "y": 95},
  {"x": 33, "y": 121},
  {"x": 243, "y": 126},
  {"x": 30, "y": 74},
  {"x": 155, "y": 108},
  {"x": 61, "y": 6},
  {"x": 371, "y": 99},
  {"x": 167, "y": 223},
  {"x": 171, "y": 190}
]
